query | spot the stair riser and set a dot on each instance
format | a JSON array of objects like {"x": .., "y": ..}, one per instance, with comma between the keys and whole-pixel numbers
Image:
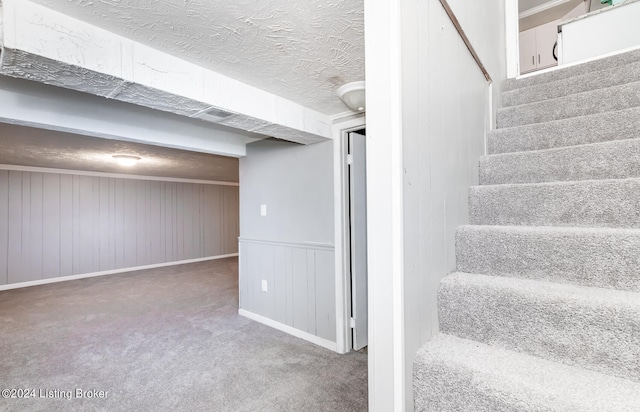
[
  {"x": 582, "y": 104},
  {"x": 453, "y": 374},
  {"x": 606, "y": 259},
  {"x": 617, "y": 125},
  {"x": 607, "y": 203},
  {"x": 437, "y": 388},
  {"x": 591, "y": 81},
  {"x": 599, "y": 336},
  {"x": 615, "y": 160},
  {"x": 577, "y": 70}
]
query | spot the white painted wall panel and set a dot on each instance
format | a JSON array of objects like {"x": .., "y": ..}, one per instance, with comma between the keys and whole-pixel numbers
[
  {"x": 280, "y": 286},
  {"x": 292, "y": 246},
  {"x": 4, "y": 225},
  {"x": 325, "y": 301},
  {"x": 55, "y": 225},
  {"x": 301, "y": 284},
  {"x": 441, "y": 150},
  {"x": 428, "y": 108},
  {"x": 14, "y": 247},
  {"x": 51, "y": 258},
  {"x": 587, "y": 37},
  {"x": 66, "y": 225}
]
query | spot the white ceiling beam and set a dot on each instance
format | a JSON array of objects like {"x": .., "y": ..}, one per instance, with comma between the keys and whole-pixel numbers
[
  {"x": 44, "y": 45},
  {"x": 32, "y": 104}
]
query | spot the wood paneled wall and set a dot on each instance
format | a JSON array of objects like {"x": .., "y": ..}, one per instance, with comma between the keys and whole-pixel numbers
[
  {"x": 300, "y": 285},
  {"x": 54, "y": 225}
]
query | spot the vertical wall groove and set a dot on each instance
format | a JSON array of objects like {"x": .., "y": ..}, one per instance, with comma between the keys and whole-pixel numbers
[{"x": 55, "y": 225}]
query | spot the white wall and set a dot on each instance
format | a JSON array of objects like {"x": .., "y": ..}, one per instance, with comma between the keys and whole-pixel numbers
[
  {"x": 608, "y": 31},
  {"x": 428, "y": 108},
  {"x": 291, "y": 248},
  {"x": 484, "y": 24},
  {"x": 57, "y": 225},
  {"x": 39, "y": 105}
]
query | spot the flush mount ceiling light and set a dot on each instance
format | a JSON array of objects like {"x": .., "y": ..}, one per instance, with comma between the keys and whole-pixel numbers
[
  {"x": 126, "y": 160},
  {"x": 352, "y": 94}
]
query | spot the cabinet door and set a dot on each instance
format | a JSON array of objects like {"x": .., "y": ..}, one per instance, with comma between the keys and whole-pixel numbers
[
  {"x": 546, "y": 37},
  {"x": 528, "y": 56}
]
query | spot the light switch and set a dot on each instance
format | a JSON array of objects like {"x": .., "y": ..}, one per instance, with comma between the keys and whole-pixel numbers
[
  {"x": 264, "y": 285},
  {"x": 263, "y": 210}
]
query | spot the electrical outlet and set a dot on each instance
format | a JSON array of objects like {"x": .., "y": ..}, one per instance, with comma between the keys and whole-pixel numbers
[
  {"x": 264, "y": 285},
  {"x": 263, "y": 210}
]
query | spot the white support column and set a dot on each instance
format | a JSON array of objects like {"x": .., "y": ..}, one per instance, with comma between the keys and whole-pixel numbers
[{"x": 385, "y": 205}]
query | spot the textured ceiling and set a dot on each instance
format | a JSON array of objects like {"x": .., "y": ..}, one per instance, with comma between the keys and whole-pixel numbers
[
  {"x": 27, "y": 146},
  {"x": 301, "y": 50}
]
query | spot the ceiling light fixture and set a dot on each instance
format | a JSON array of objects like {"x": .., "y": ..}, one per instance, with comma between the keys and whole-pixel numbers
[
  {"x": 353, "y": 95},
  {"x": 126, "y": 160}
]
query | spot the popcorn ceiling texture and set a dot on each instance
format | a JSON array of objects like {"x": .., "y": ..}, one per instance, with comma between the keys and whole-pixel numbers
[
  {"x": 24, "y": 65},
  {"x": 26, "y": 146},
  {"x": 302, "y": 51}
]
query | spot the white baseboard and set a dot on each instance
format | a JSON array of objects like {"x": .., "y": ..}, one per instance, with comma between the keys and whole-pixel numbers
[
  {"x": 109, "y": 272},
  {"x": 290, "y": 330}
]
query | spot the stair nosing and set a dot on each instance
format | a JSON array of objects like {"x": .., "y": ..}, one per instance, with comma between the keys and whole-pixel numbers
[
  {"x": 545, "y": 289},
  {"x": 515, "y": 80},
  {"x": 509, "y": 128},
  {"x": 549, "y": 229},
  {"x": 551, "y": 83},
  {"x": 504, "y": 109},
  {"x": 490, "y": 351},
  {"x": 557, "y": 183},
  {"x": 560, "y": 148}
]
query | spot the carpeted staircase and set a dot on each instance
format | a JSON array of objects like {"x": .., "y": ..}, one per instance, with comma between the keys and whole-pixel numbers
[{"x": 543, "y": 313}]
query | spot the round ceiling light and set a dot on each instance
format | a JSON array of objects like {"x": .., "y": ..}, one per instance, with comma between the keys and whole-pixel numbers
[
  {"x": 353, "y": 95},
  {"x": 126, "y": 160}
]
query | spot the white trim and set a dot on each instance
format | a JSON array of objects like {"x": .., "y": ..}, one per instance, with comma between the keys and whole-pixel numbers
[
  {"x": 304, "y": 244},
  {"x": 395, "y": 211},
  {"x": 110, "y": 272},
  {"x": 343, "y": 292},
  {"x": 346, "y": 116},
  {"x": 290, "y": 330},
  {"x": 512, "y": 38},
  {"x": 543, "y": 7},
  {"x": 113, "y": 175}
]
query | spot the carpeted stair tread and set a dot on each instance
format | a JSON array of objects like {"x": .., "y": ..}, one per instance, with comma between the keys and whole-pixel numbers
[
  {"x": 612, "y": 76},
  {"x": 594, "y": 128},
  {"x": 618, "y": 97},
  {"x": 620, "y": 59},
  {"x": 599, "y": 257},
  {"x": 543, "y": 313},
  {"x": 595, "y": 203},
  {"x": 598, "y": 329},
  {"x": 607, "y": 160},
  {"x": 453, "y": 374}
]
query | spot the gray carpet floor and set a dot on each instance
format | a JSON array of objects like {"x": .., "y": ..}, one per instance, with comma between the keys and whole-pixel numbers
[{"x": 163, "y": 339}]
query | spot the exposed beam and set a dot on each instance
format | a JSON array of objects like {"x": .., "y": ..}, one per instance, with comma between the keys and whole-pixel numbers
[
  {"x": 32, "y": 104},
  {"x": 47, "y": 46}
]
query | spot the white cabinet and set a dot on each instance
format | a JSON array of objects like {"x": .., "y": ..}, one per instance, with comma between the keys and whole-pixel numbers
[{"x": 536, "y": 47}]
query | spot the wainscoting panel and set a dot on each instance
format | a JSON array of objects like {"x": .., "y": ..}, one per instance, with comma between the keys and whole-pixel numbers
[
  {"x": 300, "y": 284},
  {"x": 54, "y": 225}
]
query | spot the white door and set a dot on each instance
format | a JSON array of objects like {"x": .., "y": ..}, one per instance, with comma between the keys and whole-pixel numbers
[{"x": 358, "y": 238}]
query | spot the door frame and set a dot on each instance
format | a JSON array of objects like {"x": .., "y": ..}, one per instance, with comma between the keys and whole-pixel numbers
[{"x": 341, "y": 130}]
